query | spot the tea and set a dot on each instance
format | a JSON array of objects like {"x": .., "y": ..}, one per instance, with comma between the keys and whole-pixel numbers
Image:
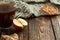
[{"x": 6, "y": 13}]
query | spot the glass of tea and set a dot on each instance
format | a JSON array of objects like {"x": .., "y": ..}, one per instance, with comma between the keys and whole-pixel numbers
[{"x": 7, "y": 12}]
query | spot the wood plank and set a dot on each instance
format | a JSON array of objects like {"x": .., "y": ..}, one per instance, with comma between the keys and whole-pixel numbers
[
  {"x": 56, "y": 26},
  {"x": 40, "y": 29},
  {"x": 23, "y": 35}
]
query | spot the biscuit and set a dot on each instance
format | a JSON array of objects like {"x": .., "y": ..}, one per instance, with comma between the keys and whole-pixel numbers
[{"x": 49, "y": 9}]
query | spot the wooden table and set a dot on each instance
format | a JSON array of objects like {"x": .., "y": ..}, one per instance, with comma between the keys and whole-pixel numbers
[{"x": 41, "y": 28}]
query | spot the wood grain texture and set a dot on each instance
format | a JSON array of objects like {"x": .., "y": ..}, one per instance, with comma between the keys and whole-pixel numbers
[
  {"x": 40, "y": 29},
  {"x": 56, "y": 26}
]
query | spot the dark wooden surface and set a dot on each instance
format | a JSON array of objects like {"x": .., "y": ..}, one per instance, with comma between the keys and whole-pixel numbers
[{"x": 41, "y": 28}]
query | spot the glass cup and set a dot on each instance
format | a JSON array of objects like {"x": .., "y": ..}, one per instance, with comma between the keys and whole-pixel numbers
[{"x": 7, "y": 12}]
